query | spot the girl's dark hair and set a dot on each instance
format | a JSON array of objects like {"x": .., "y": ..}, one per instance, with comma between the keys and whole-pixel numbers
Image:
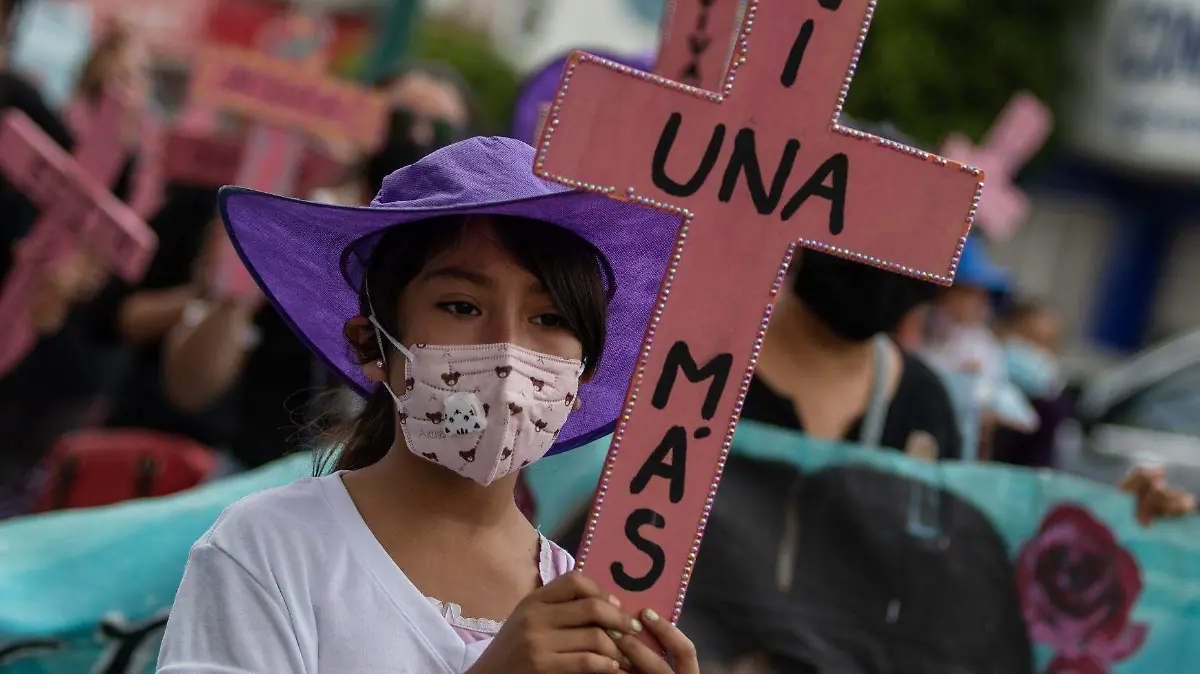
[{"x": 569, "y": 268}]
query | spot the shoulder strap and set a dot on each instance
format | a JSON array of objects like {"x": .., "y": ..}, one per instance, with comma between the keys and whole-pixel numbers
[{"x": 871, "y": 433}]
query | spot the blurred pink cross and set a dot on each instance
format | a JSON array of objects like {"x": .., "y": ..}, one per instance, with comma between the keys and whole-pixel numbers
[{"x": 1018, "y": 133}]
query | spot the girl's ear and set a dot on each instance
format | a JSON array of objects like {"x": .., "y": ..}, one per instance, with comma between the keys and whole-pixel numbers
[{"x": 361, "y": 335}]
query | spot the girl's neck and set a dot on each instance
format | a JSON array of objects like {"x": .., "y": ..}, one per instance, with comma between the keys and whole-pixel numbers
[{"x": 430, "y": 498}]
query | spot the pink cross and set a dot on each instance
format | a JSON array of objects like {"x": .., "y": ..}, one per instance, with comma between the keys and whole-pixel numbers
[
  {"x": 693, "y": 45},
  {"x": 77, "y": 209},
  {"x": 696, "y": 39},
  {"x": 752, "y": 169},
  {"x": 287, "y": 91},
  {"x": 1018, "y": 133}
]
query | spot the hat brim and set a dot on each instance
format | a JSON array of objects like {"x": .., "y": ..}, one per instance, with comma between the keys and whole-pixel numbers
[{"x": 307, "y": 258}]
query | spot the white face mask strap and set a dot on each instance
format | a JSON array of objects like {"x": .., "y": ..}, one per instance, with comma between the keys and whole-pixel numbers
[{"x": 380, "y": 332}]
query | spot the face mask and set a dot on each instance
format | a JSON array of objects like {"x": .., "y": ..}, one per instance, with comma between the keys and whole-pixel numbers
[
  {"x": 1032, "y": 369},
  {"x": 483, "y": 411},
  {"x": 855, "y": 301}
]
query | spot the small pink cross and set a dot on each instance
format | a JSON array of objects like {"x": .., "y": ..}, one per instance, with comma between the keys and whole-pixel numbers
[{"x": 1018, "y": 133}]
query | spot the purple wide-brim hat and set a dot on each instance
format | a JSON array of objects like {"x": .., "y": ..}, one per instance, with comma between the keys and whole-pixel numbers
[
  {"x": 309, "y": 258},
  {"x": 541, "y": 87}
]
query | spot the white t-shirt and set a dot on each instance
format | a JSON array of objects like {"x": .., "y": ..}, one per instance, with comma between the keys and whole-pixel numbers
[{"x": 292, "y": 580}]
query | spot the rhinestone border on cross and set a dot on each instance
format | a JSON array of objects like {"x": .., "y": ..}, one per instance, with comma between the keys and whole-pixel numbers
[{"x": 630, "y": 194}]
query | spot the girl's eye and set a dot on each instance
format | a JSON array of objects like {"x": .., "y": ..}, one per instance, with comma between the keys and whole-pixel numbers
[
  {"x": 460, "y": 308},
  {"x": 550, "y": 321}
]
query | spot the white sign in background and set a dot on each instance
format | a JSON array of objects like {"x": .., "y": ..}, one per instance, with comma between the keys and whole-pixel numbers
[
  {"x": 1140, "y": 105},
  {"x": 50, "y": 45}
]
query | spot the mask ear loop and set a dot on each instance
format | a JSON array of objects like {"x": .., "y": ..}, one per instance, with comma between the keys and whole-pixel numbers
[{"x": 380, "y": 333}]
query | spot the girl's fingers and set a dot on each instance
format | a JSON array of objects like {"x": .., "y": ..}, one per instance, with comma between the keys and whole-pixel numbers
[
  {"x": 581, "y": 663},
  {"x": 590, "y": 640},
  {"x": 678, "y": 646},
  {"x": 567, "y": 587},
  {"x": 592, "y": 612}
]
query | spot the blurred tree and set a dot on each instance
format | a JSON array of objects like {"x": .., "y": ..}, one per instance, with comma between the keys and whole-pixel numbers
[
  {"x": 470, "y": 50},
  {"x": 936, "y": 66}
]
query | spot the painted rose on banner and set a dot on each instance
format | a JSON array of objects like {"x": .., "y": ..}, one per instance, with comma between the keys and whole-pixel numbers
[
  {"x": 1076, "y": 664},
  {"x": 1078, "y": 587}
]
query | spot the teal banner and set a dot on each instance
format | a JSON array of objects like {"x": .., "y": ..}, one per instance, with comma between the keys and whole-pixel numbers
[{"x": 89, "y": 591}]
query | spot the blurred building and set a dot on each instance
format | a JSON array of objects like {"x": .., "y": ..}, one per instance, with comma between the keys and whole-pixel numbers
[
  {"x": 1114, "y": 237},
  {"x": 531, "y": 32}
]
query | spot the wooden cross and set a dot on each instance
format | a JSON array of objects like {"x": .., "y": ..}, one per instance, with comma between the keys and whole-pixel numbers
[
  {"x": 696, "y": 40},
  {"x": 77, "y": 209},
  {"x": 752, "y": 170},
  {"x": 286, "y": 91},
  {"x": 1018, "y": 133}
]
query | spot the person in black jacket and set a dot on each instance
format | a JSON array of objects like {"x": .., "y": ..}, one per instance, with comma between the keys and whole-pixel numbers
[{"x": 820, "y": 598}]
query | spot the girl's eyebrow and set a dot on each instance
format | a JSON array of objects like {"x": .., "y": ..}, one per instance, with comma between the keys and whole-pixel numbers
[{"x": 458, "y": 273}]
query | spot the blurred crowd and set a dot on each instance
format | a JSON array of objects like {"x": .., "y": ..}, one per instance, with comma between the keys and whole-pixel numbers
[{"x": 165, "y": 354}]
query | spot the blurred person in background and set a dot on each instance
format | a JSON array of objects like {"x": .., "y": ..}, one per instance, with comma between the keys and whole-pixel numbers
[
  {"x": 1031, "y": 335},
  {"x": 959, "y": 322},
  {"x": 143, "y": 316},
  {"x": 961, "y": 344},
  {"x": 431, "y": 106},
  {"x": 119, "y": 64},
  {"x": 68, "y": 283},
  {"x": 62, "y": 384},
  {"x": 238, "y": 370}
]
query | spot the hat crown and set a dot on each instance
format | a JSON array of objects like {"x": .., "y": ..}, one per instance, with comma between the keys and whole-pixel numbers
[{"x": 473, "y": 171}]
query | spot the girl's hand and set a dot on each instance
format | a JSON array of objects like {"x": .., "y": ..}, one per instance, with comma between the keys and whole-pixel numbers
[
  {"x": 678, "y": 646},
  {"x": 1154, "y": 497},
  {"x": 67, "y": 282},
  {"x": 567, "y": 627}
]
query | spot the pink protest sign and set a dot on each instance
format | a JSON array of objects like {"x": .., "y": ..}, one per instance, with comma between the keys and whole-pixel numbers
[
  {"x": 286, "y": 90},
  {"x": 752, "y": 170},
  {"x": 1018, "y": 133},
  {"x": 207, "y": 160},
  {"x": 696, "y": 41},
  {"x": 201, "y": 159},
  {"x": 77, "y": 209},
  {"x": 288, "y": 95}
]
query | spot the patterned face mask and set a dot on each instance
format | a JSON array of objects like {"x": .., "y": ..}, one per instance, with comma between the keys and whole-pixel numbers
[{"x": 483, "y": 411}]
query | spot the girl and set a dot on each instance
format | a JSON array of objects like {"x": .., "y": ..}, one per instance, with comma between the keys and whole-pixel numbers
[{"x": 475, "y": 307}]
